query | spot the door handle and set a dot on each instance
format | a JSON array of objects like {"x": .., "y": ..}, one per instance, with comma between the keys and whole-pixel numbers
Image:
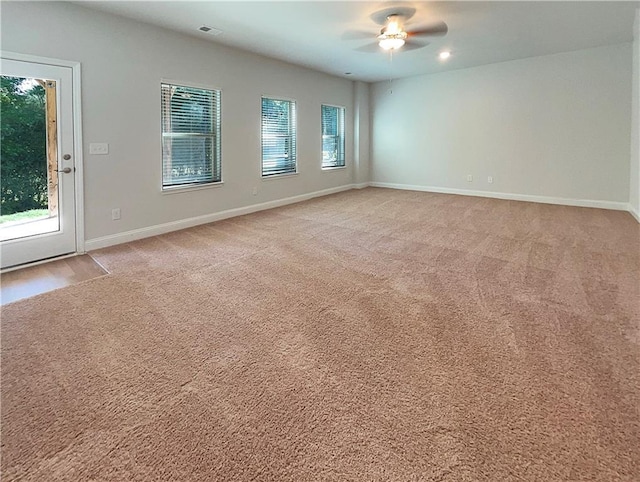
[{"x": 66, "y": 170}]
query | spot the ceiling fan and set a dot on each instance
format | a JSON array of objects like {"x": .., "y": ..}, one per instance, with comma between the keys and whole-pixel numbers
[{"x": 393, "y": 35}]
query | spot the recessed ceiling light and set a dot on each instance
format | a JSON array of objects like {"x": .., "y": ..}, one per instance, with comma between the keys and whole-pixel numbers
[{"x": 444, "y": 55}]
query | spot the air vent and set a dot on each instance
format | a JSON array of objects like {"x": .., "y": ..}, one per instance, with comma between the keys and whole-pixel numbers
[{"x": 210, "y": 30}]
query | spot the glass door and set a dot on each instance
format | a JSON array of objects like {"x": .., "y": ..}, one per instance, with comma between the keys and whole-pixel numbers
[{"x": 37, "y": 189}]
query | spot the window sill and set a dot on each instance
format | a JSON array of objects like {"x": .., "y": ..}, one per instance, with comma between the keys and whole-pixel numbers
[
  {"x": 279, "y": 176},
  {"x": 179, "y": 189},
  {"x": 334, "y": 168}
]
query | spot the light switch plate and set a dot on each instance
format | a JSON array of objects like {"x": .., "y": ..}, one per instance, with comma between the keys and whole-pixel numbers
[{"x": 99, "y": 148}]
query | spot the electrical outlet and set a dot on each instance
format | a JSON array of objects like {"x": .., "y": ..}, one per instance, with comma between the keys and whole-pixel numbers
[
  {"x": 101, "y": 148},
  {"x": 115, "y": 214},
  {"x": 490, "y": 179},
  {"x": 254, "y": 191},
  {"x": 469, "y": 178}
]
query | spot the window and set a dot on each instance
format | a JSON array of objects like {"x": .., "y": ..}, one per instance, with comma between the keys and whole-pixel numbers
[
  {"x": 190, "y": 136},
  {"x": 332, "y": 136},
  {"x": 278, "y": 137}
]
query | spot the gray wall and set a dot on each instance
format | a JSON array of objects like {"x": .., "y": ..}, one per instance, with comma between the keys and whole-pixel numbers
[{"x": 123, "y": 62}]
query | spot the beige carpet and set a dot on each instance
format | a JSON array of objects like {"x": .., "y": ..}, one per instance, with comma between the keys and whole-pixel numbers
[{"x": 371, "y": 335}]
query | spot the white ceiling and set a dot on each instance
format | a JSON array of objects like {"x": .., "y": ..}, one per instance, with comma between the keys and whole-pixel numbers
[{"x": 312, "y": 33}]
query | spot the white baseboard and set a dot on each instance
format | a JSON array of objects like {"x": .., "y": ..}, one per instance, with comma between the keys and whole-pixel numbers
[
  {"x": 587, "y": 203},
  {"x": 127, "y": 236}
]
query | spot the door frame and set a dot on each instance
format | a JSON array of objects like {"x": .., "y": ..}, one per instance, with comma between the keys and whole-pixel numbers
[{"x": 77, "y": 133}]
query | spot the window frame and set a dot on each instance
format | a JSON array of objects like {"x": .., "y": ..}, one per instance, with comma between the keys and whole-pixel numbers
[
  {"x": 344, "y": 137},
  {"x": 295, "y": 130},
  {"x": 217, "y": 132}
]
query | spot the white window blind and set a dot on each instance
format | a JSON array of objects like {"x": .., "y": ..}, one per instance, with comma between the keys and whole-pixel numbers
[
  {"x": 190, "y": 136},
  {"x": 278, "y": 137},
  {"x": 332, "y": 136}
]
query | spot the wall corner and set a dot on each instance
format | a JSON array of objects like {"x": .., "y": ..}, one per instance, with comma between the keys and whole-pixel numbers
[
  {"x": 361, "y": 151},
  {"x": 634, "y": 166}
]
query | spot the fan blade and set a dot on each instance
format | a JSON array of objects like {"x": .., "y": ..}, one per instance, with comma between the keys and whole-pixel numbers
[
  {"x": 380, "y": 17},
  {"x": 436, "y": 30},
  {"x": 413, "y": 45},
  {"x": 370, "y": 48}
]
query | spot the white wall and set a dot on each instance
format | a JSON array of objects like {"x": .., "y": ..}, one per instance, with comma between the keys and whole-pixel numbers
[
  {"x": 556, "y": 126},
  {"x": 123, "y": 62},
  {"x": 634, "y": 171}
]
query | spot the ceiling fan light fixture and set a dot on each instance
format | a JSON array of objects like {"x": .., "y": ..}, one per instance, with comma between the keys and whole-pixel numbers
[
  {"x": 392, "y": 36},
  {"x": 391, "y": 43}
]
